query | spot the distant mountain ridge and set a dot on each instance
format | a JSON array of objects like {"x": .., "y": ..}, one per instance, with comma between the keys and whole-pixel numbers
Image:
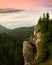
[
  {"x": 8, "y": 10},
  {"x": 3, "y": 29},
  {"x": 18, "y": 32}
]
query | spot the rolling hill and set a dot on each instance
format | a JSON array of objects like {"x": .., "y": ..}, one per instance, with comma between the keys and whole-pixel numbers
[
  {"x": 3, "y": 29},
  {"x": 18, "y": 32}
]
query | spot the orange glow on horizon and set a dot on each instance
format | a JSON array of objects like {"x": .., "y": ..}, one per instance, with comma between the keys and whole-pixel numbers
[{"x": 24, "y": 3}]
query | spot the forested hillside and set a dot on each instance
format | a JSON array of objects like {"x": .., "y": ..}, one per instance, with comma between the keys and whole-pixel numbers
[
  {"x": 11, "y": 44},
  {"x": 45, "y": 46}
]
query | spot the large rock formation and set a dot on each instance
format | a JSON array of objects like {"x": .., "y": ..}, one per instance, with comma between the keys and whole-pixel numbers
[
  {"x": 27, "y": 52},
  {"x": 30, "y": 49}
]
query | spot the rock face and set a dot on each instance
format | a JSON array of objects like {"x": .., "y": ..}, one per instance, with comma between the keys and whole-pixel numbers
[
  {"x": 27, "y": 52},
  {"x": 30, "y": 49}
]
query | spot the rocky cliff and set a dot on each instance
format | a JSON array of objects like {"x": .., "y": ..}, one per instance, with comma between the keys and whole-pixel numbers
[
  {"x": 38, "y": 48},
  {"x": 30, "y": 48}
]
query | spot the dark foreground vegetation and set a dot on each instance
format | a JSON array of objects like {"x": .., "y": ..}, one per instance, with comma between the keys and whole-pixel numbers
[{"x": 11, "y": 45}]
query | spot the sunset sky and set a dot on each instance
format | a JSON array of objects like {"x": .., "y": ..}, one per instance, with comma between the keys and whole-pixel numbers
[
  {"x": 32, "y": 10},
  {"x": 24, "y": 3}
]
